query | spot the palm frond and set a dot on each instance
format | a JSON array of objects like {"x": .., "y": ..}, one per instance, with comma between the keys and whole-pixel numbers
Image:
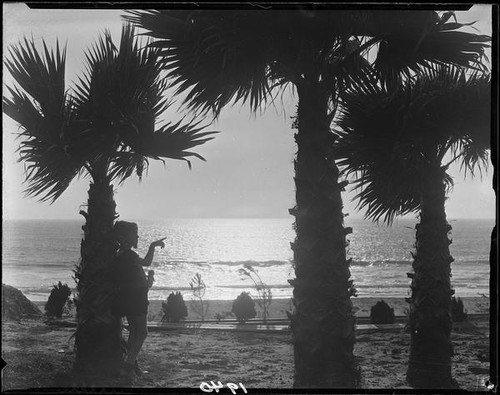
[
  {"x": 211, "y": 55},
  {"x": 120, "y": 96},
  {"x": 370, "y": 150},
  {"x": 174, "y": 141},
  {"x": 475, "y": 157},
  {"x": 123, "y": 95},
  {"x": 41, "y": 76},
  {"x": 125, "y": 163},
  {"x": 40, "y": 106},
  {"x": 220, "y": 56},
  {"x": 120, "y": 85},
  {"x": 416, "y": 40},
  {"x": 392, "y": 142},
  {"x": 107, "y": 124},
  {"x": 456, "y": 107},
  {"x": 347, "y": 66},
  {"x": 24, "y": 111}
]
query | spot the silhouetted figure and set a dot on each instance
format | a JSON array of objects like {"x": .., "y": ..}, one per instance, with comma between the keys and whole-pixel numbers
[{"x": 132, "y": 290}]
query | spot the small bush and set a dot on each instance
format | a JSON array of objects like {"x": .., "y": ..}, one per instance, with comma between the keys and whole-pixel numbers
[
  {"x": 381, "y": 313},
  {"x": 244, "y": 307},
  {"x": 458, "y": 314},
  {"x": 175, "y": 309},
  {"x": 58, "y": 298}
]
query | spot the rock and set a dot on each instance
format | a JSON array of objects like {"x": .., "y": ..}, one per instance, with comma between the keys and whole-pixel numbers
[{"x": 15, "y": 305}]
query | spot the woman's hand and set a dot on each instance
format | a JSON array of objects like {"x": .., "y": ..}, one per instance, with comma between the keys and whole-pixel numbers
[
  {"x": 151, "y": 278},
  {"x": 158, "y": 243},
  {"x": 148, "y": 259}
]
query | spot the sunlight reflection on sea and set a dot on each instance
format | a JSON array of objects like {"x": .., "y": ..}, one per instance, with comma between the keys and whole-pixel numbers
[{"x": 37, "y": 254}]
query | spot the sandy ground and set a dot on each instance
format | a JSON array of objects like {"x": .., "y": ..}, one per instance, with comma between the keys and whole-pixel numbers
[{"x": 39, "y": 355}]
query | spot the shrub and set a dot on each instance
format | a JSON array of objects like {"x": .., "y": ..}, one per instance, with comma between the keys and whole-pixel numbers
[
  {"x": 244, "y": 307},
  {"x": 175, "y": 309},
  {"x": 381, "y": 313},
  {"x": 458, "y": 314},
  {"x": 58, "y": 298}
]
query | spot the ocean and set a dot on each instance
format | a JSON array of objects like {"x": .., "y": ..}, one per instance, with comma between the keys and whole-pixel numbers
[{"x": 36, "y": 254}]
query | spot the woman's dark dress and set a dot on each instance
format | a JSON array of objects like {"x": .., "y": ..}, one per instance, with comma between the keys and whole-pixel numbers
[{"x": 132, "y": 285}]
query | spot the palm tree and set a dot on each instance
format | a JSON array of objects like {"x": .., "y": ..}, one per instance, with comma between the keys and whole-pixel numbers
[
  {"x": 225, "y": 56},
  {"x": 396, "y": 143},
  {"x": 103, "y": 129}
]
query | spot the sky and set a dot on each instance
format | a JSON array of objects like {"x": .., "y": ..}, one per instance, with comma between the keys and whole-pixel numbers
[{"x": 249, "y": 167}]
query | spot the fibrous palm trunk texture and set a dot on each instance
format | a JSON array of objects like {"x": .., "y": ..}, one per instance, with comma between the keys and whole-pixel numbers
[
  {"x": 322, "y": 321},
  {"x": 98, "y": 340},
  {"x": 430, "y": 316}
]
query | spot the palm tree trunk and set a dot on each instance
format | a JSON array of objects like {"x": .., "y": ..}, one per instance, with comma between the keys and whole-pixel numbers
[
  {"x": 323, "y": 320},
  {"x": 430, "y": 317},
  {"x": 98, "y": 339}
]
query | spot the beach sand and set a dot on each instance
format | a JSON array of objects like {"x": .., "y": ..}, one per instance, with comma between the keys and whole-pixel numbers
[{"x": 40, "y": 355}]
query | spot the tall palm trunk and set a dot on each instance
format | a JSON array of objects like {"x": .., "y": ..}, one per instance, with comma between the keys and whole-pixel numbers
[
  {"x": 98, "y": 338},
  {"x": 323, "y": 320},
  {"x": 430, "y": 317}
]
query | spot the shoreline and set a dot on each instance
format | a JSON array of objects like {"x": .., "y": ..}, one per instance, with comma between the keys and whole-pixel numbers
[{"x": 279, "y": 307}]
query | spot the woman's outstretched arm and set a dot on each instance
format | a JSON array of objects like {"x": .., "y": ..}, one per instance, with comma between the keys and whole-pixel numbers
[{"x": 148, "y": 259}]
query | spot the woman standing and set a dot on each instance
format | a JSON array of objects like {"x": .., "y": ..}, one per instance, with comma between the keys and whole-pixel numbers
[{"x": 132, "y": 290}]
